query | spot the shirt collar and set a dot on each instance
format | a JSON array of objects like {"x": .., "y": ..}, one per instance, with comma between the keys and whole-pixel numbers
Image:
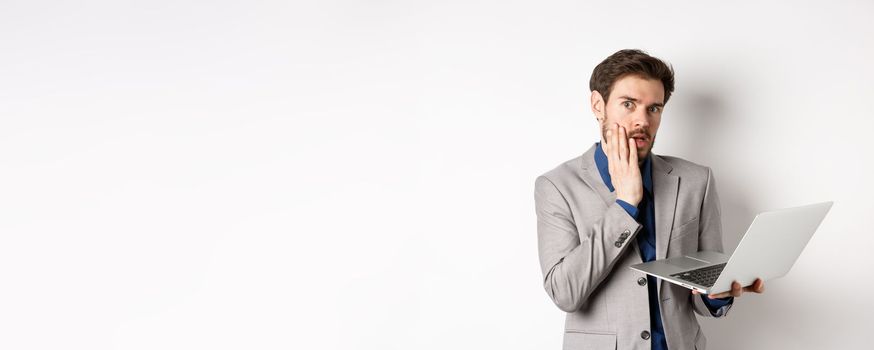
[{"x": 604, "y": 168}]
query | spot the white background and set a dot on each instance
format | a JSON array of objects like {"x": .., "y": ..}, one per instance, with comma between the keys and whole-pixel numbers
[{"x": 360, "y": 174}]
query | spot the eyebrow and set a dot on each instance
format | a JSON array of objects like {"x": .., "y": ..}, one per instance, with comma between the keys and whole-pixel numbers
[{"x": 632, "y": 99}]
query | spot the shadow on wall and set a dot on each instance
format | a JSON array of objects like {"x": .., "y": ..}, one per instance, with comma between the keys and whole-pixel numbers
[{"x": 709, "y": 132}]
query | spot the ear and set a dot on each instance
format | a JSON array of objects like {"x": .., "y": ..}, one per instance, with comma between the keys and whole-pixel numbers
[{"x": 597, "y": 102}]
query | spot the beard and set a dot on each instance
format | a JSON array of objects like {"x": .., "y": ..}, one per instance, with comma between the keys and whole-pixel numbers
[{"x": 643, "y": 152}]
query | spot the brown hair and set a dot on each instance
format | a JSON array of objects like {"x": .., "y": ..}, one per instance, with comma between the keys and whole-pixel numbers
[{"x": 630, "y": 62}]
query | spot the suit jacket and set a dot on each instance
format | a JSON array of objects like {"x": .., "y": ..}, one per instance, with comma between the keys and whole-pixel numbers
[{"x": 585, "y": 259}]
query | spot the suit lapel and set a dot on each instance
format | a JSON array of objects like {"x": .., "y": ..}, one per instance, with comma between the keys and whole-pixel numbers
[
  {"x": 592, "y": 177},
  {"x": 665, "y": 188}
]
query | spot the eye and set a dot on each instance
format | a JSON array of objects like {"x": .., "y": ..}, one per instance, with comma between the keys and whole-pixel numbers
[
  {"x": 627, "y": 104},
  {"x": 654, "y": 109}
]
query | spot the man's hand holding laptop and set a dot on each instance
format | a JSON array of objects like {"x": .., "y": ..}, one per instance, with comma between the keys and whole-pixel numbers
[{"x": 736, "y": 290}]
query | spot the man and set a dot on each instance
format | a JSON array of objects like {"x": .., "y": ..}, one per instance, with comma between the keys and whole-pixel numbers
[{"x": 618, "y": 205}]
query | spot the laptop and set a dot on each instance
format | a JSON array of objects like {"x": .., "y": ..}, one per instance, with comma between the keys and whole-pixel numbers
[{"x": 768, "y": 250}]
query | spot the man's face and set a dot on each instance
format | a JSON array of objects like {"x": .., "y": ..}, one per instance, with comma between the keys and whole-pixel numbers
[{"x": 636, "y": 104}]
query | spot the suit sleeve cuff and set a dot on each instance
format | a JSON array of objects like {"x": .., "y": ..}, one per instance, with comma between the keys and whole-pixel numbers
[
  {"x": 717, "y": 307},
  {"x": 630, "y": 209}
]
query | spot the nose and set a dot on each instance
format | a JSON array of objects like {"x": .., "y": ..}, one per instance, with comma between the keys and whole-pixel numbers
[{"x": 640, "y": 119}]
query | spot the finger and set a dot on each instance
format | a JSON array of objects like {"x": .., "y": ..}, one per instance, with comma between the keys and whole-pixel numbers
[
  {"x": 632, "y": 152},
  {"x": 719, "y": 295},
  {"x": 622, "y": 145},
  {"x": 613, "y": 156},
  {"x": 608, "y": 150},
  {"x": 736, "y": 289},
  {"x": 615, "y": 142},
  {"x": 758, "y": 286},
  {"x": 751, "y": 287}
]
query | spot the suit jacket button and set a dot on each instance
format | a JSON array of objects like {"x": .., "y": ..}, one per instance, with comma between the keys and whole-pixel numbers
[
  {"x": 644, "y": 335},
  {"x": 617, "y": 244},
  {"x": 641, "y": 281}
]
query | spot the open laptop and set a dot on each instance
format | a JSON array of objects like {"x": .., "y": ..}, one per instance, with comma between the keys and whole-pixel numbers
[{"x": 768, "y": 250}]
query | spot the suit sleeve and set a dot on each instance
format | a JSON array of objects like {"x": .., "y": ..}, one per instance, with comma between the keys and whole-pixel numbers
[
  {"x": 710, "y": 238},
  {"x": 574, "y": 263}
]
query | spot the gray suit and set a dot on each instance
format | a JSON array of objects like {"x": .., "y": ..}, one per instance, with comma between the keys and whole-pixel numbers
[{"x": 585, "y": 259}]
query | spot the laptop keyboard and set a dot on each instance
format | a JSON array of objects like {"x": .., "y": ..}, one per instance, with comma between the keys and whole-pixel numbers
[{"x": 705, "y": 276}]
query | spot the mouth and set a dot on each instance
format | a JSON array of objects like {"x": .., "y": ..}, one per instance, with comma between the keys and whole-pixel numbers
[{"x": 640, "y": 140}]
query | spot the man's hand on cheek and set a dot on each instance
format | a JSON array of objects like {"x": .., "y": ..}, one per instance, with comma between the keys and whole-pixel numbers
[{"x": 621, "y": 154}]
